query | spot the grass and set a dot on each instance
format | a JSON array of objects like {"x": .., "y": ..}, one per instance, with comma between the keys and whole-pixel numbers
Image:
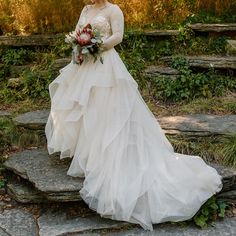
[
  {"x": 205, "y": 147},
  {"x": 215, "y": 106},
  {"x": 25, "y": 106},
  {"x": 213, "y": 149},
  {"x": 228, "y": 149}
]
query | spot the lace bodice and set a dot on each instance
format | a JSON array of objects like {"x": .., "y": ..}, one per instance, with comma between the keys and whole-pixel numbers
[{"x": 109, "y": 21}]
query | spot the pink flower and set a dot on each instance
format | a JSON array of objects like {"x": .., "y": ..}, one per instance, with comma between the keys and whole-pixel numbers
[{"x": 84, "y": 37}]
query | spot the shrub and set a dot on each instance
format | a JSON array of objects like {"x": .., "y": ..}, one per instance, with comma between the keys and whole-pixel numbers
[
  {"x": 209, "y": 212},
  {"x": 35, "y": 83},
  {"x": 188, "y": 85},
  {"x": 16, "y": 56}
]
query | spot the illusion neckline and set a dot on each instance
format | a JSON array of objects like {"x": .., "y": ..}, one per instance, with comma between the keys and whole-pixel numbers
[
  {"x": 97, "y": 13},
  {"x": 101, "y": 8},
  {"x": 91, "y": 6}
]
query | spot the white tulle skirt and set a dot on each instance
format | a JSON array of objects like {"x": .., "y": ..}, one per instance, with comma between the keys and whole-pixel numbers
[{"x": 131, "y": 172}]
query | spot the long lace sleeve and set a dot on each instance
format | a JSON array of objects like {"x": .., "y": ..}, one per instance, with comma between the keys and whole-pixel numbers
[
  {"x": 84, "y": 10},
  {"x": 117, "y": 26}
]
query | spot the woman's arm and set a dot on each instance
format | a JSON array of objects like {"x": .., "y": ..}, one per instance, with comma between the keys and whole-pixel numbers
[
  {"x": 117, "y": 26},
  {"x": 84, "y": 10}
]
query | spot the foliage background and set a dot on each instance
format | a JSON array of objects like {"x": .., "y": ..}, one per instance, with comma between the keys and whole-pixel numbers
[{"x": 52, "y": 16}]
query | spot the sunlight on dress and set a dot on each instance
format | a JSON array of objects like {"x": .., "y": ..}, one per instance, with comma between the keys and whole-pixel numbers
[{"x": 99, "y": 118}]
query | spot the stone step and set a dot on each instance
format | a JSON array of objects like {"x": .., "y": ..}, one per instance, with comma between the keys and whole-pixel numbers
[
  {"x": 17, "y": 222},
  {"x": 201, "y": 27},
  {"x": 226, "y": 227},
  {"x": 164, "y": 71},
  {"x": 5, "y": 114},
  {"x": 199, "y": 124},
  {"x": 16, "y": 71},
  {"x": 23, "y": 191},
  {"x": 189, "y": 125},
  {"x": 30, "y": 40},
  {"x": 57, "y": 221},
  {"x": 46, "y": 176},
  {"x": 229, "y": 28},
  {"x": 54, "y": 221},
  {"x": 206, "y": 62},
  {"x": 49, "y": 40},
  {"x": 229, "y": 196},
  {"x": 160, "y": 33},
  {"x": 202, "y": 61},
  {"x": 46, "y": 173},
  {"x": 35, "y": 120}
]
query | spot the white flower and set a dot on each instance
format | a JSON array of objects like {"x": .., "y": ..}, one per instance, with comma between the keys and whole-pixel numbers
[
  {"x": 85, "y": 37},
  {"x": 69, "y": 39},
  {"x": 85, "y": 51},
  {"x": 93, "y": 40},
  {"x": 72, "y": 34}
]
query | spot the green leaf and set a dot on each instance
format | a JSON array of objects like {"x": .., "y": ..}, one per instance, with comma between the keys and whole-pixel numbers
[
  {"x": 200, "y": 221},
  {"x": 205, "y": 211},
  {"x": 214, "y": 206}
]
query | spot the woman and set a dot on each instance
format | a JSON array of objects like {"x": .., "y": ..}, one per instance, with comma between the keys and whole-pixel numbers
[{"x": 99, "y": 118}]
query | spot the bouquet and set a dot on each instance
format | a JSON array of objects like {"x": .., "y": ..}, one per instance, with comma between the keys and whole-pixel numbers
[{"x": 86, "y": 42}]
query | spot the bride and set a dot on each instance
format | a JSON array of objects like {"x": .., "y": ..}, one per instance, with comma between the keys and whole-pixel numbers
[{"x": 98, "y": 117}]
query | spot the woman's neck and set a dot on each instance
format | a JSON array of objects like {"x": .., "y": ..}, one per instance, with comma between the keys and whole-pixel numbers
[{"x": 100, "y": 4}]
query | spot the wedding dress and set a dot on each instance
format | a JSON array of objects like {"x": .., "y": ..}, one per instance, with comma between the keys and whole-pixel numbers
[{"x": 99, "y": 118}]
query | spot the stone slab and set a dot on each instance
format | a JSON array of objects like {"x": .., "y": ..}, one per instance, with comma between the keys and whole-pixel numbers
[
  {"x": 226, "y": 227},
  {"x": 161, "y": 71},
  {"x": 16, "y": 71},
  {"x": 229, "y": 196},
  {"x": 49, "y": 176},
  {"x": 24, "y": 193},
  {"x": 199, "y": 124},
  {"x": 3, "y": 233},
  {"x": 201, "y": 27},
  {"x": 32, "y": 120},
  {"x": 47, "y": 173},
  {"x": 60, "y": 63},
  {"x": 229, "y": 176},
  {"x": 161, "y": 33},
  {"x": 4, "y": 114},
  {"x": 29, "y": 40},
  {"x": 206, "y": 62},
  {"x": 53, "y": 223},
  {"x": 17, "y": 223}
]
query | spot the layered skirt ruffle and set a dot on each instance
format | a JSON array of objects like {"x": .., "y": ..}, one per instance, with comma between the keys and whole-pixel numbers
[{"x": 131, "y": 172}]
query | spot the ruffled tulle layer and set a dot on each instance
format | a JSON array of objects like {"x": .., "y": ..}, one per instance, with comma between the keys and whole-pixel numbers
[{"x": 131, "y": 172}]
